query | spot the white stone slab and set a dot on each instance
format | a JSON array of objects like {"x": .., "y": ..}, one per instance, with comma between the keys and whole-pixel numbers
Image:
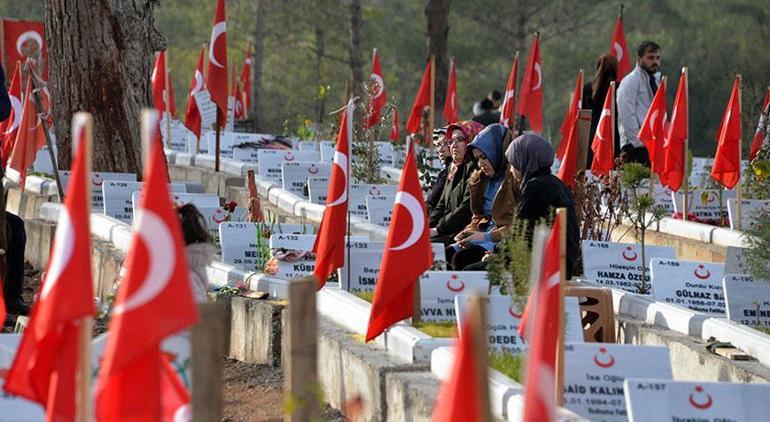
[
  {"x": 241, "y": 245},
  {"x": 693, "y": 285},
  {"x": 118, "y": 195},
  {"x": 178, "y": 135},
  {"x": 379, "y": 209},
  {"x": 327, "y": 151},
  {"x": 751, "y": 209},
  {"x": 269, "y": 161},
  {"x": 216, "y": 215},
  {"x": 439, "y": 288},
  {"x": 366, "y": 258},
  {"x": 618, "y": 265},
  {"x": 747, "y": 299},
  {"x": 225, "y": 143},
  {"x": 704, "y": 203},
  {"x": 385, "y": 150},
  {"x": 318, "y": 188},
  {"x": 665, "y": 400},
  {"x": 594, "y": 375},
  {"x": 662, "y": 196},
  {"x": 307, "y": 145},
  {"x": 97, "y": 201},
  {"x": 42, "y": 162},
  {"x": 294, "y": 175},
  {"x": 359, "y": 191}
]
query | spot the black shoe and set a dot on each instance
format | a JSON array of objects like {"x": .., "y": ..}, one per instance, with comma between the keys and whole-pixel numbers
[{"x": 17, "y": 306}]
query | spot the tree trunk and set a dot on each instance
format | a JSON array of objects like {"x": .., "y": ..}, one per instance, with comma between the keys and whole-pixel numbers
[
  {"x": 356, "y": 60},
  {"x": 100, "y": 53},
  {"x": 320, "y": 50},
  {"x": 260, "y": 7},
  {"x": 437, "y": 12}
]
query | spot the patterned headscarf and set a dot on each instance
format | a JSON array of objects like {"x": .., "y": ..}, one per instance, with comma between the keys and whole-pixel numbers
[{"x": 470, "y": 129}]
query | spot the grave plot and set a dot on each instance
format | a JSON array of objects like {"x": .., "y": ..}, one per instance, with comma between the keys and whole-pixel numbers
[
  {"x": 693, "y": 285},
  {"x": 291, "y": 255},
  {"x": 594, "y": 374},
  {"x": 200, "y": 200},
  {"x": 705, "y": 204},
  {"x": 439, "y": 288},
  {"x": 358, "y": 193},
  {"x": 665, "y": 400},
  {"x": 247, "y": 145},
  {"x": 269, "y": 162},
  {"x": 619, "y": 265},
  {"x": 214, "y": 216},
  {"x": 662, "y": 196},
  {"x": 295, "y": 174},
  {"x": 245, "y": 245},
  {"x": 366, "y": 259},
  {"x": 118, "y": 198},
  {"x": 179, "y": 134},
  {"x": 317, "y": 188},
  {"x": 226, "y": 141},
  {"x": 379, "y": 209},
  {"x": 97, "y": 200},
  {"x": 751, "y": 209},
  {"x": 747, "y": 300}
]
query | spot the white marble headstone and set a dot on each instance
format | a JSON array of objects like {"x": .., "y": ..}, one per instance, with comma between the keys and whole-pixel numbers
[
  {"x": 294, "y": 175},
  {"x": 693, "y": 285},
  {"x": 618, "y": 265},
  {"x": 118, "y": 197}
]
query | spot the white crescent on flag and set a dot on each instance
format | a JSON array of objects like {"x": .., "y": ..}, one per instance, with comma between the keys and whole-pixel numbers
[
  {"x": 219, "y": 29},
  {"x": 539, "y": 72},
  {"x": 26, "y": 36},
  {"x": 412, "y": 205}
]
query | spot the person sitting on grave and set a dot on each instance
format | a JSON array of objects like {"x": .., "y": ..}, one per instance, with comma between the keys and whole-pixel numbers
[
  {"x": 199, "y": 249},
  {"x": 442, "y": 150},
  {"x": 540, "y": 193},
  {"x": 453, "y": 212},
  {"x": 492, "y": 200}
]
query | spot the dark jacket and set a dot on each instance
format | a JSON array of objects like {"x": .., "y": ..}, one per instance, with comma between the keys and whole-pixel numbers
[
  {"x": 5, "y": 100},
  {"x": 596, "y": 112},
  {"x": 438, "y": 187},
  {"x": 488, "y": 117},
  {"x": 540, "y": 195},
  {"x": 453, "y": 211}
]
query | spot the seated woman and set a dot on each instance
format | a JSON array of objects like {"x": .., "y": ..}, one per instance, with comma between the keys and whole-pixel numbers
[
  {"x": 442, "y": 151},
  {"x": 453, "y": 211},
  {"x": 531, "y": 157},
  {"x": 491, "y": 199},
  {"x": 199, "y": 249}
]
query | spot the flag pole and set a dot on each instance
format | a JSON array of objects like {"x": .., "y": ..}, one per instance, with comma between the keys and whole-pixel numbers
[
  {"x": 651, "y": 187},
  {"x": 738, "y": 190},
  {"x": 167, "y": 97},
  {"x": 48, "y": 142},
  {"x": 203, "y": 76},
  {"x": 83, "y": 393},
  {"x": 622, "y": 6},
  {"x": 432, "y": 115},
  {"x": 561, "y": 215},
  {"x": 480, "y": 346},
  {"x": 685, "y": 178}
]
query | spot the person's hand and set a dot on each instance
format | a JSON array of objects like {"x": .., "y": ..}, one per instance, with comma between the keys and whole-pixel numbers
[
  {"x": 474, "y": 236},
  {"x": 460, "y": 236},
  {"x": 432, "y": 232},
  {"x": 487, "y": 256}
]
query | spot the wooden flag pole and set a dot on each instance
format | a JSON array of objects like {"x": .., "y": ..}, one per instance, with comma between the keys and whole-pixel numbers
[
  {"x": 207, "y": 344},
  {"x": 203, "y": 76},
  {"x": 167, "y": 98},
  {"x": 48, "y": 141},
  {"x": 561, "y": 215},
  {"x": 432, "y": 115},
  {"x": 685, "y": 176},
  {"x": 478, "y": 334},
  {"x": 301, "y": 377},
  {"x": 83, "y": 394},
  {"x": 738, "y": 190}
]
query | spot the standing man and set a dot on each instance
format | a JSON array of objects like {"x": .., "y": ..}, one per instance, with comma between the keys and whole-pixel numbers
[{"x": 634, "y": 97}]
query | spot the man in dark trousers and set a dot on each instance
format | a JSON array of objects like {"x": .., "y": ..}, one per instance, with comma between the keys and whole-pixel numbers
[{"x": 16, "y": 236}]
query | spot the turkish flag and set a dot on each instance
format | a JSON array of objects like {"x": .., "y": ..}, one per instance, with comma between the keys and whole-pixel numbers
[
  {"x": 216, "y": 80},
  {"x": 30, "y": 137},
  {"x": 507, "y": 117},
  {"x": 451, "y": 108},
  {"x": 192, "y": 117},
  {"x": 568, "y": 166},
  {"x": 727, "y": 162},
  {"x": 10, "y": 126},
  {"x": 394, "y": 135},
  {"x": 531, "y": 98},
  {"x": 154, "y": 301},
  {"x": 458, "y": 399},
  {"x": 239, "y": 112},
  {"x": 245, "y": 79},
  {"x": 543, "y": 306},
  {"x": 379, "y": 97},
  {"x": 159, "y": 86},
  {"x": 675, "y": 155},
  {"x": 603, "y": 144},
  {"x": 329, "y": 245},
  {"x": 45, "y": 366},
  {"x": 25, "y": 40},
  {"x": 653, "y": 132},
  {"x": 571, "y": 116},
  {"x": 407, "y": 253},
  {"x": 421, "y": 101},
  {"x": 619, "y": 50},
  {"x": 175, "y": 397},
  {"x": 759, "y": 136}
]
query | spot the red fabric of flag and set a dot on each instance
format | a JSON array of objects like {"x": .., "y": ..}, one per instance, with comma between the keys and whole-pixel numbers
[
  {"x": 329, "y": 245},
  {"x": 458, "y": 400},
  {"x": 394, "y": 132},
  {"x": 507, "y": 117},
  {"x": 216, "y": 79},
  {"x": 603, "y": 144},
  {"x": 675, "y": 155},
  {"x": 379, "y": 96},
  {"x": 30, "y": 137},
  {"x": 619, "y": 50},
  {"x": 25, "y": 40},
  {"x": 421, "y": 101},
  {"x": 727, "y": 162},
  {"x": 759, "y": 135},
  {"x": 175, "y": 397},
  {"x": 44, "y": 368},
  {"x": 531, "y": 97},
  {"x": 568, "y": 166},
  {"x": 158, "y": 80},
  {"x": 192, "y": 117},
  {"x": 653, "y": 132},
  {"x": 571, "y": 116},
  {"x": 10, "y": 126},
  {"x": 451, "y": 108},
  {"x": 407, "y": 253},
  {"x": 245, "y": 79},
  {"x": 239, "y": 112}
]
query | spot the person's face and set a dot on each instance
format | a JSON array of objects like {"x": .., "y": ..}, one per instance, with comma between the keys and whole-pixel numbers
[
  {"x": 515, "y": 173},
  {"x": 484, "y": 164},
  {"x": 650, "y": 61},
  {"x": 458, "y": 145},
  {"x": 443, "y": 149}
]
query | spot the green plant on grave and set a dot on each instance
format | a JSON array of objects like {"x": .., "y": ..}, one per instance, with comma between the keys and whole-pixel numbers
[
  {"x": 509, "y": 364},
  {"x": 437, "y": 329},
  {"x": 291, "y": 403},
  {"x": 510, "y": 265},
  {"x": 425, "y": 170},
  {"x": 600, "y": 204},
  {"x": 758, "y": 242},
  {"x": 641, "y": 211},
  {"x": 366, "y": 165}
]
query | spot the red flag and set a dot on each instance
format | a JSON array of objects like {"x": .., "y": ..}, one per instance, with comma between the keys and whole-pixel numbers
[
  {"x": 458, "y": 399},
  {"x": 25, "y": 40},
  {"x": 30, "y": 137},
  {"x": 507, "y": 117},
  {"x": 245, "y": 79},
  {"x": 159, "y": 83},
  {"x": 407, "y": 253},
  {"x": 727, "y": 162},
  {"x": 216, "y": 80},
  {"x": 394, "y": 135},
  {"x": 154, "y": 301},
  {"x": 653, "y": 131},
  {"x": 10, "y": 126},
  {"x": 619, "y": 50},
  {"x": 176, "y": 399},
  {"x": 451, "y": 108},
  {"x": 531, "y": 98},
  {"x": 568, "y": 165},
  {"x": 192, "y": 118},
  {"x": 421, "y": 101},
  {"x": 603, "y": 144},
  {"x": 45, "y": 366},
  {"x": 571, "y": 116},
  {"x": 543, "y": 305},
  {"x": 239, "y": 112},
  {"x": 380, "y": 95},
  {"x": 759, "y": 136},
  {"x": 674, "y": 164},
  {"x": 329, "y": 245}
]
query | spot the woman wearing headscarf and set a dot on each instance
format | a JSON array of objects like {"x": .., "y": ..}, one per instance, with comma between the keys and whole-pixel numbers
[
  {"x": 541, "y": 193},
  {"x": 453, "y": 211},
  {"x": 491, "y": 199},
  {"x": 594, "y": 93},
  {"x": 442, "y": 151}
]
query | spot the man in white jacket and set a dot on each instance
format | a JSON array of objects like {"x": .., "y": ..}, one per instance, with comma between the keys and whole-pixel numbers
[{"x": 634, "y": 97}]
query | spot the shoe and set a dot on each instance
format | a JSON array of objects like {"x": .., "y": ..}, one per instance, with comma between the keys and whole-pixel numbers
[{"x": 17, "y": 306}]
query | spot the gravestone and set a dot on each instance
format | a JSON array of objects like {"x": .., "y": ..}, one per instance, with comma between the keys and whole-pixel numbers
[
  {"x": 594, "y": 375},
  {"x": 439, "y": 288},
  {"x": 704, "y": 203},
  {"x": 327, "y": 151},
  {"x": 244, "y": 244},
  {"x": 178, "y": 135},
  {"x": 217, "y": 215},
  {"x": 385, "y": 149},
  {"x": 307, "y": 146},
  {"x": 665, "y": 400},
  {"x": 118, "y": 197},
  {"x": 269, "y": 161},
  {"x": 690, "y": 284},
  {"x": 366, "y": 259},
  {"x": 294, "y": 175},
  {"x": 618, "y": 265},
  {"x": 747, "y": 300},
  {"x": 379, "y": 209},
  {"x": 751, "y": 209},
  {"x": 292, "y": 256},
  {"x": 662, "y": 196},
  {"x": 358, "y": 193},
  {"x": 97, "y": 200},
  {"x": 225, "y": 143},
  {"x": 318, "y": 188}
]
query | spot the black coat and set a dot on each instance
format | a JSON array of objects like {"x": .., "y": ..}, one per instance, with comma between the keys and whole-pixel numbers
[
  {"x": 488, "y": 117},
  {"x": 540, "y": 195},
  {"x": 453, "y": 211},
  {"x": 596, "y": 112},
  {"x": 438, "y": 186},
  {"x": 5, "y": 100}
]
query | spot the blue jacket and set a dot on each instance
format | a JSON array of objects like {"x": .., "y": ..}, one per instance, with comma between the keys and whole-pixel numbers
[{"x": 5, "y": 101}]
